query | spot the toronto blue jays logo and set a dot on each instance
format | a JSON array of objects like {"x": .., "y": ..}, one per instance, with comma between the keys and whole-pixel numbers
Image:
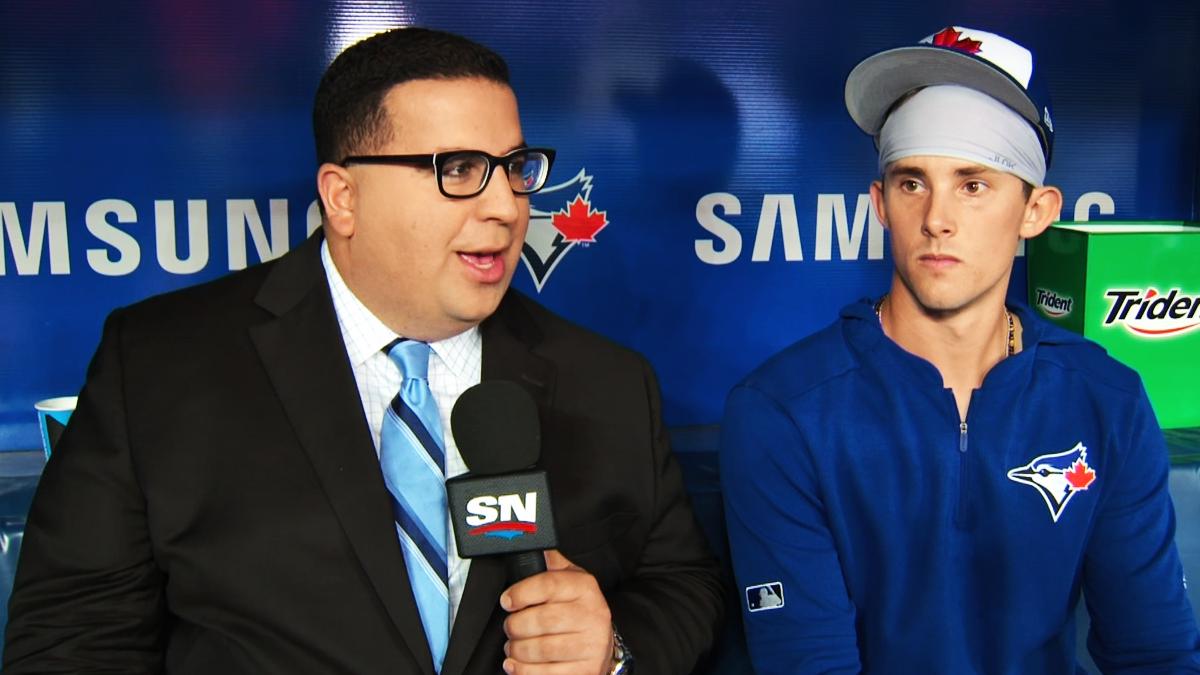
[
  {"x": 553, "y": 233},
  {"x": 1057, "y": 477}
]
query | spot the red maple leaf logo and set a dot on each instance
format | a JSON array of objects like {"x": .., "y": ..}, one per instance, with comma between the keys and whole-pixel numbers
[
  {"x": 579, "y": 222},
  {"x": 1080, "y": 476},
  {"x": 949, "y": 37}
]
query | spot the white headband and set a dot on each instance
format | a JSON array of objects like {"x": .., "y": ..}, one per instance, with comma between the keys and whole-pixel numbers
[{"x": 953, "y": 121}]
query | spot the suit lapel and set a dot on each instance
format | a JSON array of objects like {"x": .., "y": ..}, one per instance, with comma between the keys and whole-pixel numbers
[
  {"x": 509, "y": 336},
  {"x": 305, "y": 357}
]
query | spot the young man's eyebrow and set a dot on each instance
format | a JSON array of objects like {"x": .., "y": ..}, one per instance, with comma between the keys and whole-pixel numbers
[
  {"x": 903, "y": 171},
  {"x": 973, "y": 170}
]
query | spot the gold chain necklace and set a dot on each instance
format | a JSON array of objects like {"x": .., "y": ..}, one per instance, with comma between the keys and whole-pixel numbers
[{"x": 1012, "y": 331}]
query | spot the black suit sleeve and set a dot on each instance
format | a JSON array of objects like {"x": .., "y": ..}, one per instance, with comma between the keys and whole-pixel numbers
[
  {"x": 670, "y": 610},
  {"x": 88, "y": 596}
]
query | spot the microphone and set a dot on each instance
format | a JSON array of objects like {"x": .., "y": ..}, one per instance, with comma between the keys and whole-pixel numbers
[{"x": 502, "y": 506}]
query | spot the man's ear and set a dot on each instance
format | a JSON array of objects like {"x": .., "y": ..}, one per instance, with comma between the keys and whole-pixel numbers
[
  {"x": 877, "y": 202},
  {"x": 1043, "y": 208},
  {"x": 337, "y": 190}
]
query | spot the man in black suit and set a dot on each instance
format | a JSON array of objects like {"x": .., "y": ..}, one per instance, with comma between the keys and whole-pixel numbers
[{"x": 217, "y": 505}]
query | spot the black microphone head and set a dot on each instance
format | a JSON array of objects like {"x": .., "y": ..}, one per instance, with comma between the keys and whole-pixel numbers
[{"x": 495, "y": 426}]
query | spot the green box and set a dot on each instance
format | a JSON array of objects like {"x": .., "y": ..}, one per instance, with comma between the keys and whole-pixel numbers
[{"x": 1133, "y": 287}]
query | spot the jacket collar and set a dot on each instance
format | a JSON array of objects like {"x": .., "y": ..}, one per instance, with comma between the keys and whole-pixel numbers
[{"x": 870, "y": 344}]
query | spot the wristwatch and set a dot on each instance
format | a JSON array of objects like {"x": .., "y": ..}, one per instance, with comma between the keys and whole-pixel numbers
[{"x": 622, "y": 658}]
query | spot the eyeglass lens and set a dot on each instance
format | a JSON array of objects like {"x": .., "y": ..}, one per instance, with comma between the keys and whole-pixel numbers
[{"x": 465, "y": 174}]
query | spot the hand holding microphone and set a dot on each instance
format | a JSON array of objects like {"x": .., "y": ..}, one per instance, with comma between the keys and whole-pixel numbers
[
  {"x": 558, "y": 614},
  {"x": 558, "y": 617}
]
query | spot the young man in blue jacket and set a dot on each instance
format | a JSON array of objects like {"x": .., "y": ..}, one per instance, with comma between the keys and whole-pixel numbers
[{"x": 927, "y": 485}]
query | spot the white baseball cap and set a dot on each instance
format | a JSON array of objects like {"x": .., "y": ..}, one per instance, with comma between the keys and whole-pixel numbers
[{"x": 955, "y": 55}]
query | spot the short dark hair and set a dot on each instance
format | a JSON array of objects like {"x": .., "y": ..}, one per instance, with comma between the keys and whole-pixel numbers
[{"x": 348, "y": 114}]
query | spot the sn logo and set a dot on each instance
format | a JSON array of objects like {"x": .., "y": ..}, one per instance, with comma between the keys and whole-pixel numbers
[{"x": 502, "y": 509}]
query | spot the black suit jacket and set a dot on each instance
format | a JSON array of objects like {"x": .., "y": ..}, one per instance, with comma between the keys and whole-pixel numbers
[{"x": 216, "y": 506}]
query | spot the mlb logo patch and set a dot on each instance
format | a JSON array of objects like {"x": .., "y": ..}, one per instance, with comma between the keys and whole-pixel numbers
[{"x": 764, "y": 596}]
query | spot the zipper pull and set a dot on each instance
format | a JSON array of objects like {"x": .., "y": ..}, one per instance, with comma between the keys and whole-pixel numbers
[{"x": 962, "y": 436}]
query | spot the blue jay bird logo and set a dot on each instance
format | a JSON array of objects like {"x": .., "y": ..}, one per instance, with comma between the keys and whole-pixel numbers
[
  {"x": 1057, "y": 477},
  {"x": 553, "y": 233}
]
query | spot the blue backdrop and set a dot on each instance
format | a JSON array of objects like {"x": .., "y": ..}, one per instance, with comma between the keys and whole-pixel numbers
[{"x": 703, "y": 148}]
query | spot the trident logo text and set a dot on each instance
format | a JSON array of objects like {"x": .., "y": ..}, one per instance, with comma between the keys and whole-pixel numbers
[
  {"x": 1053, "y": 304},
  {"x": 1149, "y": 313},
  {"x": 506, "y": 516}
]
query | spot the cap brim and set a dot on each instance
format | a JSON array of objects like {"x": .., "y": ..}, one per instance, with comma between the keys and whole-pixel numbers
[{"x": 879, "y": 80}]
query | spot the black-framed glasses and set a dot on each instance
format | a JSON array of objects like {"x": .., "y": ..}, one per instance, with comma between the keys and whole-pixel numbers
[{"x": 465, "y": 173}]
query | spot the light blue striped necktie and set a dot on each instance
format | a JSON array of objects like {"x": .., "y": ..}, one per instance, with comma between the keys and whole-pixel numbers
[{"x": 412, "y": 453}]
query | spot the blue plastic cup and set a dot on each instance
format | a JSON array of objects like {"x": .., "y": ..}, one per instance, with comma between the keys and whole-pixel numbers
[{"x": 53, "y": 414}]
